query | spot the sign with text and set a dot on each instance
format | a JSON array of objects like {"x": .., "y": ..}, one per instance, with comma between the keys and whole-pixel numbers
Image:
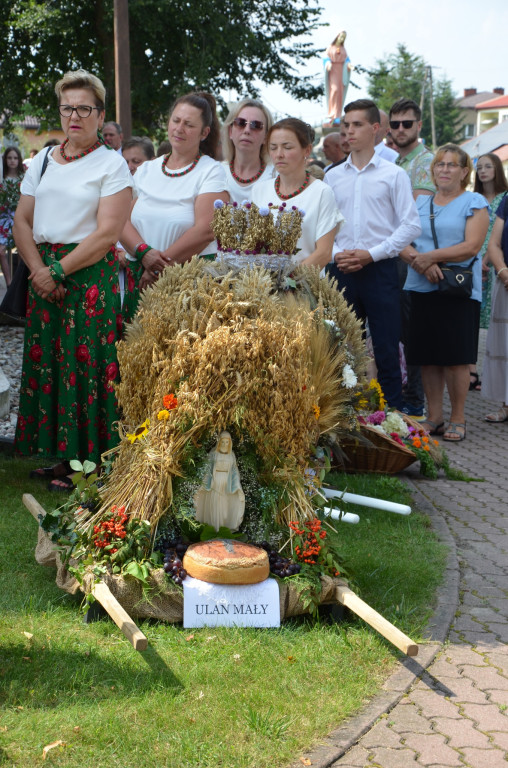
[{"x": 228, "y": 605}]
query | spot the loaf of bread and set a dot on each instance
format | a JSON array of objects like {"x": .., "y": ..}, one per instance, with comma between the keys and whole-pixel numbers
[{"x": 225, "y": 561}]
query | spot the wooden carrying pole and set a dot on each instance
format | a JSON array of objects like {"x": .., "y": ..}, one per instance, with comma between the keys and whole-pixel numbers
[
  {"x": 101, "y": 592},
  {"x": 347, "y": 597}
]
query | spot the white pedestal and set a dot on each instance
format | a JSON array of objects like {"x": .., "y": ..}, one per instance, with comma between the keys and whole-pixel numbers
[{"x": 228, "y": 605}]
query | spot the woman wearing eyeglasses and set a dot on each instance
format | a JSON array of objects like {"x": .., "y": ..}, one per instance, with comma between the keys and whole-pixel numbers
[
  {"x": 290, "y": 144},
  {"x": 244, "y": 143},
  {"x": 443, "y": 329},
  {"x": 171, "y": 219},
  {"x": 74, "y": 202}
]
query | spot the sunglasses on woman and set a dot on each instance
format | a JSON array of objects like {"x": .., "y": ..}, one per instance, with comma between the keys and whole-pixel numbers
[{"x": 254, "y": 125}]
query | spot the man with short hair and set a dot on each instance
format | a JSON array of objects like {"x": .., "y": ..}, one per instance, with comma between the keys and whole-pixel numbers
[
  {"x": 379, "y": 145},
  {"x": 332, "y": 150},
  {"x": 113, "y": 136},
  {"x": 415, "y": 159},
  {"x": 375, "y": 197}
]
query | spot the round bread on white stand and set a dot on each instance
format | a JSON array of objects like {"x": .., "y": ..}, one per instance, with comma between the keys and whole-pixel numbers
[{"x": 225, "y": 561}]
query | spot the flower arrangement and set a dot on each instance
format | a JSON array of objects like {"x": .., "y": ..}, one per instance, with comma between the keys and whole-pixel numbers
[
  {"x": 9, "y": 198},
  {"x": 372, "y": 412},
  {"x": 248, "y": 229}
]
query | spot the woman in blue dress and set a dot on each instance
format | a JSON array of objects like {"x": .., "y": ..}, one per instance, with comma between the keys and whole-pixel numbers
[{"x": 443, "y": 329}]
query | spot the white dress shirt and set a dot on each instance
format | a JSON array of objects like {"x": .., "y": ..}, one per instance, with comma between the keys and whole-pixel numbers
[
  {"x": 377, "y": 203},
  {"x": 387, "y": 153}
]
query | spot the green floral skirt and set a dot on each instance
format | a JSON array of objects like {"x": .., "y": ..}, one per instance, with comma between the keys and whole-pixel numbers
[{"x": 67, "y": 403}]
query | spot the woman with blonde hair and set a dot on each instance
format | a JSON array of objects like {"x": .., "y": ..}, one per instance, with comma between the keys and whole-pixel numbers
[
  {"x": 247, "y": 161},
  {"x": 74, "y": 202}
]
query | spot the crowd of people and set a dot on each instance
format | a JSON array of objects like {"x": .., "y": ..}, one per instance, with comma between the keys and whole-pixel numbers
[{"x": 100, "y": 218}]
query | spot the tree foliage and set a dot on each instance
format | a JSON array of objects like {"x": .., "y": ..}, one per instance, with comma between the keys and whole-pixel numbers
[
  {"x": 401, "y": 75},
  {"x": 176, "y": 46}
]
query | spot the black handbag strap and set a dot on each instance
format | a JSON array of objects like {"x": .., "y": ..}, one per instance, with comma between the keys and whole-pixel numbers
[
  {"x": 432, "y": 216},
  {"x": 45, "y": 163}
]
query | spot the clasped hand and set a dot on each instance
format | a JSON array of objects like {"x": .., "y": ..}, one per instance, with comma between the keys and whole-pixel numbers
[
  {"x": 352, "y": 260},
  {"x": 45, "y": 287}
]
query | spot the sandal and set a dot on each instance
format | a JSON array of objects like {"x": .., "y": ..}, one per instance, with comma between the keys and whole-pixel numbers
[
  {"x": 498, "y": 416},
  {"x": 452, "y": 430},
  {"x": 61, "y": 485},
  {"x": 57, "y": 470},
  {"x": 474, "y": 382},
  {"x": 435, "y": 428}
]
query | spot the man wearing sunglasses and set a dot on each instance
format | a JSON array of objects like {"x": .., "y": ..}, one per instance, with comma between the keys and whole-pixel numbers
[{"x": 415, "y": 159}]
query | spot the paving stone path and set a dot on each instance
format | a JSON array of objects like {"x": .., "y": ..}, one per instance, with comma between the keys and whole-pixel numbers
[{"x": 455, "y": 714}]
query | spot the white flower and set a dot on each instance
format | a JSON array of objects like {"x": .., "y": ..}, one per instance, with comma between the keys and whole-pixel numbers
[
  {"x": 394, "y": 423},
  {"x": 349, "y": 378}
]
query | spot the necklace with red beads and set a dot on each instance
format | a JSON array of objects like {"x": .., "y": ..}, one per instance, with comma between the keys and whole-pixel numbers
[
  {"x": 246, "y": 181},
  {"x": 292, "y": 194},
  {"x": 178, "y": 173},
  {"x": 71, "y": 158}
]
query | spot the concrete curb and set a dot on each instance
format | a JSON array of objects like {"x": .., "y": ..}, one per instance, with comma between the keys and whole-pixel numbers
[{"x": 410, "y": 669}]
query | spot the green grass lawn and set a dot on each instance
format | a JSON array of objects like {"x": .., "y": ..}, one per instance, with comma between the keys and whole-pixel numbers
[{"x": 223, "y": 698}]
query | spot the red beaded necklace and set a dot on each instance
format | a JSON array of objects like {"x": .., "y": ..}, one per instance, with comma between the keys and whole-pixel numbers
[
  {"x": 179, "y": 173},
  {"x": 292, "y": 194},
  {"x": 246, "y": 181},
  {"x": 71, "y": 158}
]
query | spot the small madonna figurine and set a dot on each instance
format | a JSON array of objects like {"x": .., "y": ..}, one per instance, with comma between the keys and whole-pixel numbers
[{"x": 220, "y": 500}]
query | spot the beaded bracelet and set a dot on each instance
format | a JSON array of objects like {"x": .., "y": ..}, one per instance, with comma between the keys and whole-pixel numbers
[
  {"x": 140, "y": 251},
  {"x": 57, "y": 273}
]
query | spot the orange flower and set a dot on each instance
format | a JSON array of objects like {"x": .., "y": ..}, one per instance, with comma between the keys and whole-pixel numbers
[
  {"x": 417, "y": 443},
  {"x": 169, "y": 402},
  {"x": 317, "y": 411}
]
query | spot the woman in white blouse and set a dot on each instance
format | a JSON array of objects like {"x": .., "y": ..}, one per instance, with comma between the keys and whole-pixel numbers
[
  {"x": 171, "y": 219},
  {"x": 290, "y": 144},
  {"x": 74, "y": 202}
]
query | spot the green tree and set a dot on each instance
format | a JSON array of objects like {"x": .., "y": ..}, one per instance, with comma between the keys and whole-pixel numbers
[
  {"x": 402, "y": 74},
  {"x": 176, "y": 46}
]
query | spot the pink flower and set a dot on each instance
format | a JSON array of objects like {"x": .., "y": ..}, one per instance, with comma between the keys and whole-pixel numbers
[{"x": 376, "y": 418}]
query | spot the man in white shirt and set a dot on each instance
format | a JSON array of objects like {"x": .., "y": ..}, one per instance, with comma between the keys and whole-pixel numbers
[
  {"x": 379, "y": 145},
  {"x": 376, "y": 199}
]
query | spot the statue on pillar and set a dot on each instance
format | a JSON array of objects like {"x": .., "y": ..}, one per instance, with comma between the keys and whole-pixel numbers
[
  {"x": 220, "y": 501},
  {"x": 337, "y": 76}
]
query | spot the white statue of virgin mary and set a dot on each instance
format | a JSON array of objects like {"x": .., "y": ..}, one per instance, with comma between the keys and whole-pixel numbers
[{"x": 220, "y": 500}]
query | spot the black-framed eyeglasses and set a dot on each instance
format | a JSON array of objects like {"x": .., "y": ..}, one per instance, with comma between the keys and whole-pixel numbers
[
  {"x": 82, "y": 110},
  {"x": 254, "y": 125},
  {"x": 394, "y": 124}
]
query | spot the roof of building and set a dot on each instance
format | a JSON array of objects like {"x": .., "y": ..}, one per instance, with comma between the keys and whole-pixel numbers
[
  {"x": 470, "y": 102},
  {"x": 497, "y": 103},
  {"x": 489, "y": 141}
]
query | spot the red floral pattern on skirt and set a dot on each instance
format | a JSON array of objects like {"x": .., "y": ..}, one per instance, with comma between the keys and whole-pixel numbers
[{"x": 67, "y": 399}]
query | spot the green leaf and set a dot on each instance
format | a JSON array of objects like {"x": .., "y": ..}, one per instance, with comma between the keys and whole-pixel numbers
[
  {"x": 135, "y": 570},
  {"x": 88, "y": 466},
  {"x": 76, "y": 465}
]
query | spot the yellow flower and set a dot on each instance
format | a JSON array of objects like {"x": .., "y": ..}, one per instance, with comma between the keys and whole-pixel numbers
[
  {"x": 317, "y": 411},
  {"x": 140, "y": 432},
  {"x": 163, "y": 415}
]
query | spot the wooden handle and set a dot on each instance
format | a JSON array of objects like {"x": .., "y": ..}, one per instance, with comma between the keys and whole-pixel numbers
[
  {"x": 347, "y": 597},
  {"x": 33, "y": 506},
  {"x": 121, "y": 618}
]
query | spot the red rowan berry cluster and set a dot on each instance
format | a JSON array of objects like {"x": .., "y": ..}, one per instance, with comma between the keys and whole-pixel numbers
[
  {"x": 111, "y": 529},
  {"x": 311, "y": 546}
]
